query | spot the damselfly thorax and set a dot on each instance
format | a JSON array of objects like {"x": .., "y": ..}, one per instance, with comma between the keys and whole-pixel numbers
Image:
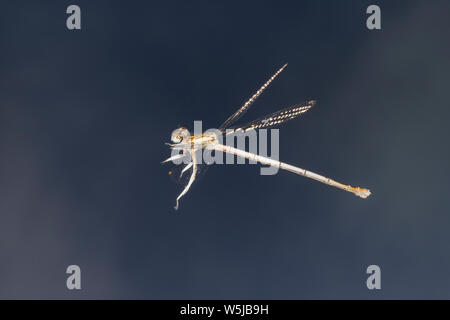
[
  {"x": 204, "y": 140},
  {"x": 189, "y": 145},
  {"x": 182, "y": 139}
]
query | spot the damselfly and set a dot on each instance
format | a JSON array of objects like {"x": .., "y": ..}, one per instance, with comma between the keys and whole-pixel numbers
[{"x": 189, "y": 145}]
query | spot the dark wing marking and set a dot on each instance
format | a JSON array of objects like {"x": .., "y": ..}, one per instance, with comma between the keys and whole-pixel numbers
[
  {"x": 240, "y": 112},
  {"x": 276, "y": 118}
]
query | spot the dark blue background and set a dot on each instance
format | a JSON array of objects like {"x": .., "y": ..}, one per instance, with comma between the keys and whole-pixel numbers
[{"x": 85, "y": 114}]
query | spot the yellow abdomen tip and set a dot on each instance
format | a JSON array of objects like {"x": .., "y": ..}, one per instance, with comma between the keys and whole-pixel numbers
[{"x": 361, "y": 192}]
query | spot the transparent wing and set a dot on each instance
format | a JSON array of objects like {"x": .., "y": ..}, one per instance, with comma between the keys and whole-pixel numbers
[
  {"x": 240, "y": 112},
  {"x": 276, "y": 118}
]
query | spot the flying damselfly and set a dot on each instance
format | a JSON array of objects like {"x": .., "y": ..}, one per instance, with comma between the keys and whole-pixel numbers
[{"x": 189, "y": 145}]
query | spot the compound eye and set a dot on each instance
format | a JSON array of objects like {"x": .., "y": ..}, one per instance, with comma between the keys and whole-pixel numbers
[
  {"x": 176, "y": 139},
  {"x": 179, "y": 135}
]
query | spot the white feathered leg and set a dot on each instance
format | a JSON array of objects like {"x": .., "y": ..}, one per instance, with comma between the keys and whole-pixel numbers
[
  {"x": 191, "y": 179},
  {"x": 185, "y": 169},
  {"x": 175, "y": 157}
]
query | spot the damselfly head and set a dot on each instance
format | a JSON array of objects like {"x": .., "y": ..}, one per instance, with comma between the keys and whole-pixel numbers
[{"x": 180, "y": 134}]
